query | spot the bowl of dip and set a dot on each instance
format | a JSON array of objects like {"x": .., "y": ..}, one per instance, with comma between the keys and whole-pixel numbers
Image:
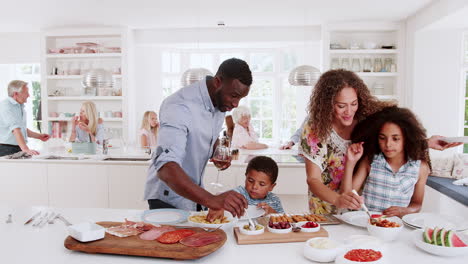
[{"x": 322, "y": 249}]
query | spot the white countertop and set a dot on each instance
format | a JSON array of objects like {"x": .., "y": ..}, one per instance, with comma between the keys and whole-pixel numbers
[
  {"x": 139, "y": 153},
  {"x": 27, "y": 244}
]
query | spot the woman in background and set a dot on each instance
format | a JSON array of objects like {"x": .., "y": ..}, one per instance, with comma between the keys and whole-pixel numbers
[
  {"x": 149, "y": 130},
  {"x": 244, "y": 135},
  {"x": 87, "y": 127}
]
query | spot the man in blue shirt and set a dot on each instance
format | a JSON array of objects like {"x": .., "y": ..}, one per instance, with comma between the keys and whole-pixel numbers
[
  {"x": 190, "y": 122},
  {"x": 13, "y": 130}
]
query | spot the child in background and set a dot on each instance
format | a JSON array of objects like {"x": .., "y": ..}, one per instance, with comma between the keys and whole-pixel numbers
[
  {"x": 395, "y": 164},
  {"x": 260, "y": 179},
  {"x": 149, "y": 130}
]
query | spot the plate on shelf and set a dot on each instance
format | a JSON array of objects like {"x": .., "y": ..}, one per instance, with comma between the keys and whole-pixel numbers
[
  {"x": 422, "y": 220},
  {"x": 357, "y": 218},
  {"x": 165, "y": 216},
  {"x": 253, "y": 212},
  {"x": 455, "y": 139}
]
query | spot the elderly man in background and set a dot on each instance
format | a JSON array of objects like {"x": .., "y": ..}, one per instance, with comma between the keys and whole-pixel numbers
[{"x": 13, "y": 130}]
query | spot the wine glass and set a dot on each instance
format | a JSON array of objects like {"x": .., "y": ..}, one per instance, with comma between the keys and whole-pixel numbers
[{"x": 221, "y": 159}]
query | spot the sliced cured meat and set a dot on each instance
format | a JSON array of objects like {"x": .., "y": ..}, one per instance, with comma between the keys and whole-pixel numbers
[
  {"x": 123, "y": 231},
  {"x": 174, "y": 236},
  {"x": 129, "y": 228},
  {"x": 156, "y": 232},
  {"x": 201, "y": 239}
]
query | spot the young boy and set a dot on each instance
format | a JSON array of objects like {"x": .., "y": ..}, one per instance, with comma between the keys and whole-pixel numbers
[{"x": 260, "y": 179}]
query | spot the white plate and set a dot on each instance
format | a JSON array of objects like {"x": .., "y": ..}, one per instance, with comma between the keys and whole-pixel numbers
[
  {"x": 165, "y": 216},
  {"x": 417, "y": 236},
  {"x": 253, "y": 212},
  {"x": 422, "y": 220},
  {"x": 357, "y": 218},
  {"x": 455, "y": 139}
]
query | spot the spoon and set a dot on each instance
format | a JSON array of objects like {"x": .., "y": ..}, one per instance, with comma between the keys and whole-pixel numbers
[
  {"x": 363, "y": 206},
  {"x": 251, "y": 223}
]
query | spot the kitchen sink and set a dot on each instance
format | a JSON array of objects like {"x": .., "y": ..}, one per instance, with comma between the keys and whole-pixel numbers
[
  {"x": 126, "y": 159},
  {"x": 53, "y": 157}
]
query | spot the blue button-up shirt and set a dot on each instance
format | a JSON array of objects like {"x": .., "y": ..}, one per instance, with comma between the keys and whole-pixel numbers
[
  {"x": 190, "y": 126},
  {"x": 12, "y": 115}
]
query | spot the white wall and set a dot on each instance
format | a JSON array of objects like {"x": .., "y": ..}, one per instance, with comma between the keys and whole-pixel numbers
[
  {"x": 437, "y": 90},
  {"x": 20, "y": 47},
  {"x": 434, "y": 80}
]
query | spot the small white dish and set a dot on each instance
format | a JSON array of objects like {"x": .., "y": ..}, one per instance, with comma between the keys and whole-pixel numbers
[
  {"x": 86, "y": 232},
  {"x": 417, "y": 236},
  {"x": 313, "y": 251},
  {"x": 387, "y": 234},
  {"x": 250, "y": 232},
  {"x": 253, "y": 212},
  {"x": 309, "y": 230},
  {"x": 280, "y": 231}
]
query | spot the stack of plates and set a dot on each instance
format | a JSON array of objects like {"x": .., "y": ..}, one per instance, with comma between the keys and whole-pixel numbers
[{"x": 423, "y": 220}]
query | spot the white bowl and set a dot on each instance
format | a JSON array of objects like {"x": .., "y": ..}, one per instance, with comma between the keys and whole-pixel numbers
[
  {"x": 322, "y": 254},
  {"x": 417, "y": 236},
  {"x": 340, "y": 259},
  {"x": 369, "y": 45},
  {"x": 309, "y": 230},
  {"x": 386, "y": 233},
  {"x": 280, "y": 231},
  {"x": 225, "y": 226},
  {"x": 85, "y": 232},
  {"x": 250, "y": 232}
]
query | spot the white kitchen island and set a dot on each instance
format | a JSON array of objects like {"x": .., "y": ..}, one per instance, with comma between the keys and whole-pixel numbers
[
  {"x": 91, "y": 181},
  {"x": 28, "y": 244}
]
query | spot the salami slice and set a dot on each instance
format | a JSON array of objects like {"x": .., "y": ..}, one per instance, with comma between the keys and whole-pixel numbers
[
  {"x": 174, "y": 236},
  {"x": 201, "y": 239},
  {"x": 156, "y": 232}
]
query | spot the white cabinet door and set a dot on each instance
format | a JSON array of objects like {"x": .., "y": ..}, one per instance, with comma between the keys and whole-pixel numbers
[
  {"x": 82, "y": 185},
  {"x": 127, "y": 186},
  {"x": 23, "y": 184}
]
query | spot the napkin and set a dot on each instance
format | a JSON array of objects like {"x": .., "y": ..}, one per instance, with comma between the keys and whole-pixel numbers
[{"x": 461, "y": 182}]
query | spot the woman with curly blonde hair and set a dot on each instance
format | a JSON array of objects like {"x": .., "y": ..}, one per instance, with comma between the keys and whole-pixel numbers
[{"x": 339, "y": 101}]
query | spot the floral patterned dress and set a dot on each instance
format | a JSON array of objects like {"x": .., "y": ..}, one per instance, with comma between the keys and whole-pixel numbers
[{"x": 329, "y": 156}]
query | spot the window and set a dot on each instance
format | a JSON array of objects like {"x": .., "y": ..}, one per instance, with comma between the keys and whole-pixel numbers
[{"x": 272, "y": 101}]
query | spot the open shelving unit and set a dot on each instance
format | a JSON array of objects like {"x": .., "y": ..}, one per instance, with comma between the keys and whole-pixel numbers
[
  {"x": 62, "y": 92},
  {"x": 352, "y": 38}
]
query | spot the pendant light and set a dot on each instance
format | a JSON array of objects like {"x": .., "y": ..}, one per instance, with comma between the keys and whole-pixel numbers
[
  {"x": 193, "y": 75},
  {"x": 304, "y": 75},
  {"x": 95, "y": 79}
]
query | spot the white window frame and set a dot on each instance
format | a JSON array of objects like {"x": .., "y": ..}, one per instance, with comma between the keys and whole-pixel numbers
[
  {"x": 463, "y": 78},
  {"x": 277, "y": 75}
]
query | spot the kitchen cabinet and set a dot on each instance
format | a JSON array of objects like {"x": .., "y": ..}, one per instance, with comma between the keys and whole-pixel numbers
[
  {"x": 127, "y": 186},
  {"x": 66, "y": 55},
  {"x": 23, "y": 185},
  {"x": 373, "y": 50},
  {"x": 78, "y": 185}
]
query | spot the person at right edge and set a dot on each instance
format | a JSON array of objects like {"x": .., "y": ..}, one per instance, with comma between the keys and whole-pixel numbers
[{"x": 191, "y": 120}]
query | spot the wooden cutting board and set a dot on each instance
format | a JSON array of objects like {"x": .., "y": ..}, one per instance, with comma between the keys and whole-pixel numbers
[
  {"x": 135, "y": 246},
  {"x": 268, "y": 238}
]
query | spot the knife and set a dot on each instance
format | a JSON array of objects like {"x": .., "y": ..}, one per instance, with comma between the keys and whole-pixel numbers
[{"x": 32, "y": 218}]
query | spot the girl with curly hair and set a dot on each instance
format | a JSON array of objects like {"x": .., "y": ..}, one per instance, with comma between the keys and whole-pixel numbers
[
  {"x": 339, "y": 101},
  {"x": 394, "y": 167}
]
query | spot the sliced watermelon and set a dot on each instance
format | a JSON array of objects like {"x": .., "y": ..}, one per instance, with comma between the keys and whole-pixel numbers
[
  {"x": 434, "y": 235},
  {"x": 427, "y": 235},
  {"x": 452, "y": 240},
  {"x": 376, "y": 215},
  {"x": 441, "y": 237}
]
